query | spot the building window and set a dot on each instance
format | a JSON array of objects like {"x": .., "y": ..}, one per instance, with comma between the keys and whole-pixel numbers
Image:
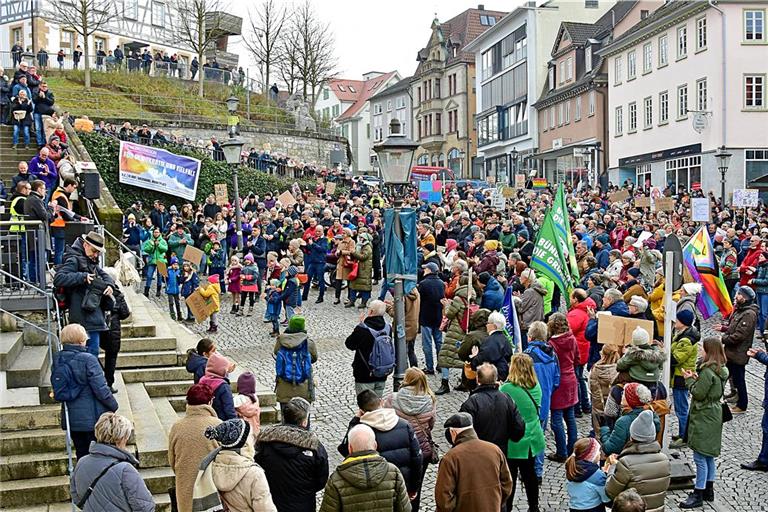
[
  {"x": 632, "y": 117},
  {"x": 552, "y": 118},
  {"x": 663, "y": 107},
  {"x": 418, "y": 127},
  {"x": 619, "y": 121},
  {"x": 643, "y": 175},
  {"x": 588, "y": 59},
  {"x": 389, "y": 106},
  {"x": 631, "y": 65},
  {"x": 546, "y": 120},
  {"x": 551, "y": 77},
  {"x": 418, "y": 94},
  {"x": 682, "y": 42},
  {"x": 376, "y": 108},
  {"x": 701, "y": 34},
  {"x": 684, "y": 172},
  {"x": 754, "y": 92},
  {"x": 515, "y": 121},
  {"x": 755, "y": 164},
  {"x": 336, "y": 110},
  {"x": 568, "y": 112},
  {"x": 569, "y": 69},
  {"x": 437, "y": 87},
  {"x": 67, "y": 39},
  {"x": 562, "y": 72},
  {"x": 17, "y": 36},
  {"x": 400, "y": 102},
  {"x": 617, "y": 71},
  {"x": 438, "y": 123},
  {"x": 591, "y": 4},
  {"x": 754, "y": 26},
  {"x": 351, "y": 88},
  {"x": 663, "y": 51},
  {"x": 326, "y": 94},
  {"x": 577, "y": 113},
  {"x": 682, "y": 102},
  {"x": 342, "y": 88},
  {"x": 644, "y": 13},
  {"x": 701, "y": 94},
  {"x": 99, "y": 43},
  {"x": 488, "y": 129},
  {"x": 648, "y": 113},
  {"x": 560, "y": 114},
  {"x": 591, "y": 110},
  {"x": 487, "y": 21},
  {"x": 158, "y": 14},
  {"x": 131, "y": 9},
  {"x": 647, "y": 57},
  {"x": 452, "y": 84}
]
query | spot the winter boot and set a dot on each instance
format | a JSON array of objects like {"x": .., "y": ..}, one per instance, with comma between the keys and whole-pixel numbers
[
  {"x": 240, "y": 312},
  {"x": 694, "y": 500},
  {"x": 250, "y": 311},
  {"x": 157, "y": 294},
  {"x": 233, "y": 310},
  {"x": 146, "y": 291},
  {"x": 444, "y": 388},
  {"x": 709, "y": 492}
]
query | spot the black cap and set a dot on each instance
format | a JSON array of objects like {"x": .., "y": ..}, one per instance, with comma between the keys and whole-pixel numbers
[{"x": 458, "y": 420}]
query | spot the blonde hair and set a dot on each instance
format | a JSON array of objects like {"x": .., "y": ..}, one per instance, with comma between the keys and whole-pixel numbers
[
  {"x": 417, "y": 379},
  {"x": 73, "y": 334},
  {"x": 521, "y": 371},
  {"x": 537, "y": 331},
  {"x": 609, "y": 354},
  {"x": 272, "y": 256},
  {"x": 112, "y": 428}
]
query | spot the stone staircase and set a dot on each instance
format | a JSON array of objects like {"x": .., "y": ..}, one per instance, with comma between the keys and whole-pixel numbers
[
  {"x": 151, "y": 382},
  {"x": 10, "y": 158}
]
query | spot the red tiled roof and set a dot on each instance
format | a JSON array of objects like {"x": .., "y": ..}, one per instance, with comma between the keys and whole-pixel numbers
[
  {"x": 341, "y": 88},
  {"x": 365, "y": 91}
]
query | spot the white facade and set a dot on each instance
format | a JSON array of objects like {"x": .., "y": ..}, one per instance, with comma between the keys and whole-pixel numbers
[
  {"x": 540, "y": 25},
  {"x": 328, "y": 106},
  {"x": 692, "y": 64},
  {"x": 392, "y": 103}
]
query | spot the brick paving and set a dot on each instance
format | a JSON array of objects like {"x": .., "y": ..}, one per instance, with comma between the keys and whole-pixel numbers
[{"x": 246, "y": 341}]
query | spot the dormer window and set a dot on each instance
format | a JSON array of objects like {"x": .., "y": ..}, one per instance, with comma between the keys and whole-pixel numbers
[
  {"x": 588, "y": 58},
  {"x": 341, "y": 88},
  {"x": 487, "y": 21},
  {"x": 351, "y": 89}
]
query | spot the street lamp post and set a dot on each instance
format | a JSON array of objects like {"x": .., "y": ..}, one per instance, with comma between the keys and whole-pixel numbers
[
  {"x": 513, "y": 156},
  {"x": 232, "y": 149},
  {"x": 723, "y": 161},
  {"x": 395, "y": 156}
]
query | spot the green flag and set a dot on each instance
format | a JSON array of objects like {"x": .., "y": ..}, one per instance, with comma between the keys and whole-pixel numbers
[
  {"x": 563, "y": 231},
  {"x": 548, "y": 257}
]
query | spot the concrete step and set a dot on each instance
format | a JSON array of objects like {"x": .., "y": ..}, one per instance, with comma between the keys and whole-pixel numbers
[
  {"x": 151, "y": 440},
  {"x": 33, "y": 465},
  {"x": 141, "y": 328},
  {"x": 150, "y": 344},
  {"x": 28, "y": 495},
  {"x": 11, "y": 344},
  {"x": 28, "y": 367},
  {"x": 165, "y": 412},
  {"x": 180, "y": 387},
  {"x": 145, "y": 359},
  {"x": 162, "y": 504},
  {"x": 124, "y": 402},
  {"x": 32, "y": 441},
  {"x": 29, "y": 418},
  {"x": 155, "y": 374}
]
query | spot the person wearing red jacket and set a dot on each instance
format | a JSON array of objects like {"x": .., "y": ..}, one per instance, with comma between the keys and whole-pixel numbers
[
  {"x": 578, "y": 318},
  {"x": 748, "y": 267},
  {"x": 618, "y": 235}
]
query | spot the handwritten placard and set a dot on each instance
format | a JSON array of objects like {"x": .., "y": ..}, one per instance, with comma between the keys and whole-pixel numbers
[
  {"x": 642, "y": 202},
  {"x": 200, "y": 307},
  {"x": 700, "y": 210},
  {"x": 222, "y": 196},
  {"x": 507, "y": 192},
  {"x": 745, "y": 197},
  {"x": 664, "y": 204},
  {"x": 616, "y": 330},
  {"x": 619, "y": 196},
  {"x": 330, "y": 188},
  {"x": 193, "y": 255},
  {"x": 286, "y": 199},
  {"x": 519, "y": 180},
  {"x": 162, "y": 268}
]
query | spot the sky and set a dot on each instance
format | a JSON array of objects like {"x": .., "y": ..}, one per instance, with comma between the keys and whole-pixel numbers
[{"x": 376, "y": 35}]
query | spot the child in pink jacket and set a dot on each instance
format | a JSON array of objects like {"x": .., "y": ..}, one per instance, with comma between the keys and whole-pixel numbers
[{"x": 247, "y": 403}]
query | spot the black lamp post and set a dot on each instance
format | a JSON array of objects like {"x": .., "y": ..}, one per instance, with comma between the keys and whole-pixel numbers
[
  {"x": 513, "y": 156},
  {"x": 395, "y": 156},
  {"x": 723, "y": 161},
  {"x": 232, "y": 149}
]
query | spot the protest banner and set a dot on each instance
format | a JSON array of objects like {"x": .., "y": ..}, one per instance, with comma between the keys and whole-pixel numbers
[
  {"x": 193, "y": 255},
  {"x": 330, "y": 188},
  {"x": 700, "y": 210},
  {"x": 619, "y": 196},
  {"x": 519, "y": 180},
  {"x": 200, "y": 307},
  {"x": 665, "y": 204},
  {"x": 745, "y": 197},
  {"x": 431, "y": 191},
  {"x": 642, "y": 202},
  {"x": 158, "y": 170},
  {"x": 507, "y": 192},
  {"x": 221, "y": 193},
  {"x": 286, "y": 199},
  {"x": 617, "y": 330},
  {"x": 162, "y": 268}
]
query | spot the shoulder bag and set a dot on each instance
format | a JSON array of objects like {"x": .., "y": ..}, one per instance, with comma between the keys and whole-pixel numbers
[{"x": 89, "y": 491}]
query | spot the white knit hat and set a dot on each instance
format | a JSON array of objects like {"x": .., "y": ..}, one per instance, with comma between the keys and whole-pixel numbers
[{"x": 640, "y": 336}]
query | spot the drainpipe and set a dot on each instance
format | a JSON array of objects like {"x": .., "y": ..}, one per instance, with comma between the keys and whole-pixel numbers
[{"x": 723, "y": 70}]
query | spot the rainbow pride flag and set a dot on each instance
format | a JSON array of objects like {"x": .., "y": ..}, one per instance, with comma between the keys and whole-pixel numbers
[{"x": 701, "y": 262}]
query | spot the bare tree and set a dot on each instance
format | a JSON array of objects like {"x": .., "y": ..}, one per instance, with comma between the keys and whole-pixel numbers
[
  {"x": 313, "y": 51},
  {"x": 286, "y": 64},
  {"x": 267, "y": 26},
  {"x": 85, "y": 17},
  {"x": 198, "y": 25}
]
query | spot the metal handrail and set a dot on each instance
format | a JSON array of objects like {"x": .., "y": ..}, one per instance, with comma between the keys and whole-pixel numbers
[{"x": 104, "y": 230}]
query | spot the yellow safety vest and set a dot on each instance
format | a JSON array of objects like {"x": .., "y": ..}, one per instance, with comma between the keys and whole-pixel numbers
[{"x": 16, "y": 216}]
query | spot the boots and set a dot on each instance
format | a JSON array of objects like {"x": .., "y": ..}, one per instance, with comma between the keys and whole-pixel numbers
[
  {"x": 444, "y": 388},
  {"x": 233, "y": 310},
  {"x": 694, "y": 500},
  {"x": 240, "y": 311},
  {"x": 709, "y": 492},
  {"x": 157, "y": 294},
  {"x": 250, "y": 311},
  {"x": 146, "y": 291}
]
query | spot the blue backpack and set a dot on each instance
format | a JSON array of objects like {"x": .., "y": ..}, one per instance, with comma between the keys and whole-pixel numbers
[
  {"x": 65, "y": 386},
  {"x": 381, "y": 362},
  {"x": 294, "y": 365}
]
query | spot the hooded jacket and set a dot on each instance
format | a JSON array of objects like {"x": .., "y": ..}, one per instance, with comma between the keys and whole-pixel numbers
[
  {"x": 643, "y": 467},
  {"x": 495, "y": 416},
  {"x": 600, "y": 379},
  {"x": 705, "y": 419},
  {"x": 587, "y": 490},
  {"x": 642, "y": 362},
  {"x": 531, "y": 307},
  {"x": 615, "y": 439},
  {"x": 578, "y": 319},
  {"x": 497, "y": 350},
  {"x": 366, "y": 482},
  {"x": 361, "y": 341},
  {"x": 241, "y": 483},
  {"x": 684, "y": 351},
  {"x": 547, "y": 369},
  {"x": 567, "y": 352},
  {"x": 431, "y": 291},
  {"x": 493, "y": 295},
  {"x": 419, "y": 411},
  {"x": 222, "y": 393},
  {"x": 286, "y": 390},
  {"x": 448, "y": 356},
  {"x": 741, "y": 329},
  {"x": 196, "y": 365},
  {"x": 396, "y": 441},
  {"x": 295, "y": 463}
]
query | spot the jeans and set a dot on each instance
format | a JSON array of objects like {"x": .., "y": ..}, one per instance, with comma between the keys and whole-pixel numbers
[
  {"x": 39, "y": 132},
  {"x": 583, "y": 392},
  {"x": 355, "y": 294},
  {"x": 762, "y": 303},
  {"x": 315, "y": 270},
  {"x": 538, "y": 462},
  {"x": 58, "y": 249},
  {"x": 763, "y": 456},
  {"x": 289, "y": 312},
  {"x": 430, "y": 335},
  {"x": 376, "y": 387},
  {"x": 736, "y": 372},
  {"x": 705, "y": 470},
  {"x": 173, "y": 301},
  {"x": 92, "y": 346},
  {"x": 150, "y": 275},
  {"x": 680, "y": 399},
  {"x": 20, "y": 128},
  {"x": 385, "y": 287},
  {"x": 569, "y": 415}
]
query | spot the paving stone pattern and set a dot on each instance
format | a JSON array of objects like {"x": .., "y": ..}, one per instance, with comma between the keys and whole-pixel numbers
[{"x": 246, "y": 341}]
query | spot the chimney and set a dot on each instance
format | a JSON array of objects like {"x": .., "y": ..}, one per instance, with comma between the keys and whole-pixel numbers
[{"x": 481, "y": 7}]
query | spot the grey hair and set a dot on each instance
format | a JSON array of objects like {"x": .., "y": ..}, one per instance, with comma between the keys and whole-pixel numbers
[
  {"x": 112, "y": 428},
  {"x": 614, "y": 294},
  {"x": 497, "y": 319},
  {"x": 538, "y": 331},
  {"x": 361, "y": 438},
  {"x": 529, "y": 274},
  {"x": 461, "y": 265},
  {"x": 377, "y": 308}
]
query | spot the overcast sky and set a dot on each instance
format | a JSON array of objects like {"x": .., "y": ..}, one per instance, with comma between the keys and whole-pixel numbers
[{"x": 378, "y": 35}]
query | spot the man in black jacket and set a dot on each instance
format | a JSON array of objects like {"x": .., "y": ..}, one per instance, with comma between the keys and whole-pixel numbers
[
  {"x": 432, "y": 292},
  {"x": 494, "y": 414},
  {"x": 395, "y": 439},
  {"x": 361, "y": 341},
  {"x": 36, "y": 209},
  {"x": 43, "y": 100},
  {"x": 293, "y": 458},
  {"x": 495, "y": 349}
]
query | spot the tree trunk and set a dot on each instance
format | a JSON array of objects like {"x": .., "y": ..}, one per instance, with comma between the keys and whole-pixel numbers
[
  {"x": 201, "y": 73},
  {"x": 266, "y": 74},
  {"x": 87, "y": 65}
]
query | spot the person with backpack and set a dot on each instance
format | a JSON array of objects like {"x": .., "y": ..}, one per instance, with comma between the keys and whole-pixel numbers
[
  {"x": 374, "y": 350},
  {"x": 295, "y": 354},
  {"x": 78, "y": 381},
  {"x": 217, "y": 371}
]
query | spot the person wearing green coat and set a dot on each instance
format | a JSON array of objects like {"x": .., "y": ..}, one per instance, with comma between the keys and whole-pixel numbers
[
  {"x": 476, "y": 335},
  {"x": 155, "y": 248},
  {"x": 636, "y": 398},
  {"x": 548, "y": 285},
  {"x": 705, "y": 421},
  {"x": 523, "y": 388},
  {"x": 448, "y": 357},
  {"x": 179, "y": 240},
  {"x": 684, "y": 350},
  {"x": 361, "y": 287}
]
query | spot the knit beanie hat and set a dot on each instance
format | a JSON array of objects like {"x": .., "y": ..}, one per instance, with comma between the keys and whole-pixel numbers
[
  {"x": 640, "y": 303},
  {"x": 450, "y": 244},
  {"x": 642, "y": 428},
  {"x": 484, "y": 277},
  {"x": 636, "y": 394},
  {"x": 199, "y": 394},
  {"x": 230, "y": 434},
  {"x": 634, "y": 272},
  {"x": 592, "y": 453},
  {"x": 640, "y": 336},
  {"x": 629, "y": 255},
  {"x": 174, "y": 260},
  {"x": 249, "y": 257},
  {"x": 296, "y": 324},
  {"x": 686, "y": 317},
  {"x": 747, "y": 292},
  {"x": 217, "y": 365},
  {"x": 213, "y": 278},
  {"x": 246, "y": 385}
]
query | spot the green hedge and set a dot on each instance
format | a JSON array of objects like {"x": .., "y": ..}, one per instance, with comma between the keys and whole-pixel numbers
[{"x": 104, "y": 152}]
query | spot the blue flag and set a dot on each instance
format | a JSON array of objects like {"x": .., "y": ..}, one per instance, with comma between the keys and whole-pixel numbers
[{"x": 512, "y": 328}]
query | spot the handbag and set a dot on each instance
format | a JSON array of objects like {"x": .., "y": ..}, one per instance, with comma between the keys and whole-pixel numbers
[
  {"x": 469, "y": 373},
  {"x": 19, "y": 114},
  {"x": 727, "y": 413},
  {"x": 353, "y": 273},
  {"x": 92, "y": 298},
  {"x": 435, "y": 449}
]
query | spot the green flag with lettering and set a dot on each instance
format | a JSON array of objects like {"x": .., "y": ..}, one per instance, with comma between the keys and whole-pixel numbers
[
  {"x": 548, "y": 257},
  {"x": 563, "y": 225}
]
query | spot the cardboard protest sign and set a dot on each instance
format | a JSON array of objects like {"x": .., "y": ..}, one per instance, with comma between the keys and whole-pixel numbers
[
  {"x": 642, "y": 202},
  {"x": 616, "y": 330},
  {"x": 200, "y": 307},
  {"x": 619, "y": 196},
  {"x": 507, "y": 192},
  {"x": 519, "y": 180},
  {"x": 222, "y": 196},
  {"x": 286, "y": 199},
  {"x": 162, "y": 268},
  {"x": 193, "y": 255},
  {"x": 700, "y": 210},
  {"x": 320, "y": 181},
  {"x": 666, "y": 204},
  {"x": 745, "y": 197},
  {"x": 330, "y": 187}
]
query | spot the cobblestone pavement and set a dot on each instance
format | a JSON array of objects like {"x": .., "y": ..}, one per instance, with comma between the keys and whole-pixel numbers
[{"x": 246, "y": 341}]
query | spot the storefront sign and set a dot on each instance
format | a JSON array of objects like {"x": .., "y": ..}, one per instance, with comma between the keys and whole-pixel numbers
[{"x": 660, "y": 155}]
